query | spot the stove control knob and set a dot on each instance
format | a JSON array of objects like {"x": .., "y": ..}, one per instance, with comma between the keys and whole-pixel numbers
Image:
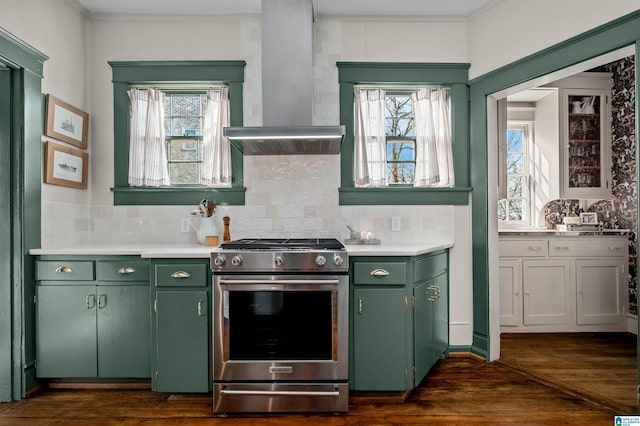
[
  {"x": 236, "y": 261},
  {"x": 219, "y": 260},
  {"x": 337, "y": 260},
  {"x": 321, "y": 260},
  {"x": 279, "y": 260}
]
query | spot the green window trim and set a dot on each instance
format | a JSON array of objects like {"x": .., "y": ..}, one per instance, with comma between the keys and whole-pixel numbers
[
  {"x": 127, "y": 74},
  {"x": 453, "y": 75}
]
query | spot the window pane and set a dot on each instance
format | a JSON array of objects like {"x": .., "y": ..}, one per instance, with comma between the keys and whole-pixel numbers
[
  {"x": 400, "y": 127},
  {"x": 185, "y": 150},
  {"x": 516, "y": 187},
  {"x": 400, "y": 150},
  {"x": 184, "y": 173},
  {"x": 515, "y": 209},
  {"x": 502, "y": 209},
  {"x": 514, "y": 140},
  {"x": 400, "y": 173},
  {"x": 515, "y": 163}
]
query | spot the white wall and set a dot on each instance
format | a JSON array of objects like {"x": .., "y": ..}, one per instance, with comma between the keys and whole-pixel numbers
[
  {"x": 547, "y": 155},
  {"x": 513, "y": 29},
  {"x": 59, "y": 29}
]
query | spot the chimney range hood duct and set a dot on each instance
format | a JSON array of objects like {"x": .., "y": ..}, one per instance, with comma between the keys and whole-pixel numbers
[{"x": 287, "y": 87}]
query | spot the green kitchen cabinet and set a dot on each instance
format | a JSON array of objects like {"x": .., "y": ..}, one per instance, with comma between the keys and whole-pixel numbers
[
  {"x": 92, "y": 318},
  {"x": 380, "y": 339},
  {"x": 181, "y": 319},
  {"x": 399, "y": 319}
]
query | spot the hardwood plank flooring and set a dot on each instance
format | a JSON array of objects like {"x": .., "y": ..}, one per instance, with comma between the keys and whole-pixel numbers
[
  {"x": 458, "y": 391},
  {"x": 598, "y": 366}
]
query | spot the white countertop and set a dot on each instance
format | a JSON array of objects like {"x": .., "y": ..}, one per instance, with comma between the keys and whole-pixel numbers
[
  {"x": 558, "y": 233},
  {"x": 200, "y": 251}
]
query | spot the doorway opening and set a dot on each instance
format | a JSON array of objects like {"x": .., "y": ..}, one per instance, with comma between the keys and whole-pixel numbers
[{"x": 551, "y": 173}]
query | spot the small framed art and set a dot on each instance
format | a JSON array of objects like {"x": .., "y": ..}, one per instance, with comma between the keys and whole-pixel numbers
[
  {"x": 66, "y": 122},
  {"x": 65, "y": 166}
]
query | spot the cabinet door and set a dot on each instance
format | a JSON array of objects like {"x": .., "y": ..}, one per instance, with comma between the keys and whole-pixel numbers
[
  {"x": 585, "y": 156},
  {"x": 123, "y": 331},
  {"x": 66, "y": 336},
  {"x": 510, "y": 292},
  {"x": 182, "y": 341},
  {"x": 441, "y": 316},
  {"x": 547, "y": 291},
  {"x": 380, "y": 339},
  {"x": 601, "y": 291},
  {"x": 425, "y": 295}
]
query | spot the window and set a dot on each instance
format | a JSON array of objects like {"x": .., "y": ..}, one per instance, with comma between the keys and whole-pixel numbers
[
  {"x": 400, "y": 132},
  {"x": 400, "y": 152},
  {"x": 183, "y": 116},
  {"x": 182, "y": 83},
  {"x": 515, "y": 207}
]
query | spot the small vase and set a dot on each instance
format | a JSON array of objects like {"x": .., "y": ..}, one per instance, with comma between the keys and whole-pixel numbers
[{"x": 207, "y": 228}]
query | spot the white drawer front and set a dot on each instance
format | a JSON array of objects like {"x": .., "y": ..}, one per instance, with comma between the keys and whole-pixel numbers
[
  {"x": 522, "y": 248},
  {"x": 592, "y": 247}
]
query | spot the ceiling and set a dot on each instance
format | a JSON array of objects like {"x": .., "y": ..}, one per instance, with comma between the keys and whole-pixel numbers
[{"x": 424, "y": 8}]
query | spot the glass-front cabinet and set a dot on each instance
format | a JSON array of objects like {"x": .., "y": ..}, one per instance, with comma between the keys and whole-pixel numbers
[{"x": 586, "y": 143}]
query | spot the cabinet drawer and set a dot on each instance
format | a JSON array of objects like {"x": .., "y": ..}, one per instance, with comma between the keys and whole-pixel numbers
[
  {"x": 181, "y": 275},
  {"x": 64, "y": 270},
  {"x": 390, "y": 273},
  {"x": 123, "y": 270},
  {"x": 590, "y": 248},
  {"x": 522, "y": 248},
  {"x": 430, "y": 266}
]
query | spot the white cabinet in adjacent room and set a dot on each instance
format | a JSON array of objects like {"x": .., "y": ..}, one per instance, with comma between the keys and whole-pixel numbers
[{"x": 560, "y": 284}]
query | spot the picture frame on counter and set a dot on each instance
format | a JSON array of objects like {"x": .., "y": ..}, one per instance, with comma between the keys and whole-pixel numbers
[
  {"x": 66, "y": 122},
  {"x": 65, "y": 166},
  {"x": 588, "y": 218}
]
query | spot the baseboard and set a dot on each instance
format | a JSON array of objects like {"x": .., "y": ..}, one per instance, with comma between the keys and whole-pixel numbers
[{"x": 632, "y": 324}]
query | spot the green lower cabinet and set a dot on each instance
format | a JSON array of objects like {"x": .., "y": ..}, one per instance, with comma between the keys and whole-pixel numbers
[
  {"x": 182, "y": 342},
  {"x": 181, "y": 335},
  {"x": 88, "y": 331},
  {"x": 379, "y": 339},
  {"x": 67, "y": 336},
  {"x": 93, "y": 317},
  {"x": 124, "y": 331},
  {"x": 441, "y": 316},
  {"x": 423, "y": 330},
  {"x": 399, "y": 319}
]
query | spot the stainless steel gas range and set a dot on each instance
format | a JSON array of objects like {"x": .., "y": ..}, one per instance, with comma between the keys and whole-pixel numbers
[{"x": 280, "y": 326}]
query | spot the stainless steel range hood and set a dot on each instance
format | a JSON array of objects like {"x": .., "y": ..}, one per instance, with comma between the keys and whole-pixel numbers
[{"x": 287, "y": 87}]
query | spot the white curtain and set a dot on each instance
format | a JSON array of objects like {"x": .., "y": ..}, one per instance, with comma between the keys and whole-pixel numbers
[
  {"x": 434, "y": 157},
  {"x": 370, "y": 144},
  {"x": 216, "y": 166},
  {"x": 147, "y": 152}
]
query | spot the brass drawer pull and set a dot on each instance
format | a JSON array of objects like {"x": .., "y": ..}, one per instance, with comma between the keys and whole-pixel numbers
[
  {"x": 126, "y": 270},
  {"x": 379, "y": 272},
  {"x": 180, "y": 274},
  {"x": 64, "y": 269}
]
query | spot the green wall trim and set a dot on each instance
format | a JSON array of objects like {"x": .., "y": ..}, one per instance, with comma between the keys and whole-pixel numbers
[
  {"x": 453, "y": 75},
  {"x": 22, "y": 132},
  {"x": 611, "y": 36},
  {"x": 177, "y": 196},
  {"x": 128, "y": 74},
  {"x": 404, "y": 196},
  {"x": 19, "y": 54}
]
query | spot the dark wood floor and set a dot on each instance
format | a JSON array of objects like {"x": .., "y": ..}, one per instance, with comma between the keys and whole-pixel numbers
[
  {"x": 459, "y": 391},
  {"x": 601, "y": 367}
]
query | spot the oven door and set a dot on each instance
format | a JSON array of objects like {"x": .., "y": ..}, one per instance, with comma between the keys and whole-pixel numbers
[{"x": 280, "y": 328}]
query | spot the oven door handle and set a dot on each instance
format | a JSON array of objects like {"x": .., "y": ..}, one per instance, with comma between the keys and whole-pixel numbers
[
  {"x": 276, "y": 282},
  {"x": 279, "y": 393}
]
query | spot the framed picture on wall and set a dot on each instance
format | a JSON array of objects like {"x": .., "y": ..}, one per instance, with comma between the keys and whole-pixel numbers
[
  {"x": 66, "y": 122},
  {"x": 588, "y": 218},
  {"x": 65, "y": 166}
]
